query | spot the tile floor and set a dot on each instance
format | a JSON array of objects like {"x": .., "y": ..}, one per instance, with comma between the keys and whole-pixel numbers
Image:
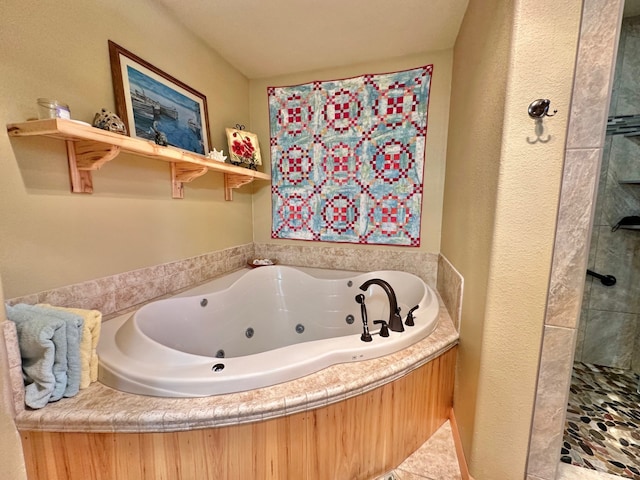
[
  {"x": 435, "y": 460},
  {"x": 571, "y": 472},
  {"x": 603, "y": 418}
]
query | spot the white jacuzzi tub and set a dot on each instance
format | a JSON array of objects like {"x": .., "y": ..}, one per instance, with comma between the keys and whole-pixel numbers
[{"x": 256, "y": 328}]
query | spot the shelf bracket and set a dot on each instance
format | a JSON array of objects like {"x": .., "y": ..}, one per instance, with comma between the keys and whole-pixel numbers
[
  {"x": 88, "y": 148},
  {"x": 183, "y": 172},
  {"x": 85, "y": 156},
  {"x": 233, "y": 180}
]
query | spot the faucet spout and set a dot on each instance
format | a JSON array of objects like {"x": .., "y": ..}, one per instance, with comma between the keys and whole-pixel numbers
[{"x": 395, "y": 321}]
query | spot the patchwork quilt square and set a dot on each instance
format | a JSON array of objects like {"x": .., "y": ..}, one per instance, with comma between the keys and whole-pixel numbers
[{"x": 347, "y": 158}]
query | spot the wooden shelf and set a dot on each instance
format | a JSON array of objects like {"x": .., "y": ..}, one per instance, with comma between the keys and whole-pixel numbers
[{"x": 89, "y": 148}]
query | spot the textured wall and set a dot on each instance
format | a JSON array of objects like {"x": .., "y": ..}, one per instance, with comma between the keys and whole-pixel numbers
[
  {"x": 58, "y": 49},
  {"x": 501, "y": 197},
  {"x": 10, "y": 448},
  {"x": 50, "y": 238}
]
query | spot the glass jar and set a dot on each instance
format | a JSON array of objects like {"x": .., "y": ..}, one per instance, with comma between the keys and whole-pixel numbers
[{"x": 52, "y": 109}]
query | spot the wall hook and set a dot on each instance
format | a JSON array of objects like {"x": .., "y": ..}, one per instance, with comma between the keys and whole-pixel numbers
[{"x": 540, "y": 108}]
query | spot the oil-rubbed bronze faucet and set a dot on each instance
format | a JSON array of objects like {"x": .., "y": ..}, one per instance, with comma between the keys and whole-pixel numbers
[{"x": 395, "y": 321}]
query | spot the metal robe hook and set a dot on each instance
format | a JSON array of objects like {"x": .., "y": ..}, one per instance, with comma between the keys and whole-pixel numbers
[{"x": 539, "y": 109}]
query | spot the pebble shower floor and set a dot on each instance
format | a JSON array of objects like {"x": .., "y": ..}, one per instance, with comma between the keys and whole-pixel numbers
[{"x": 602, "y": 431}]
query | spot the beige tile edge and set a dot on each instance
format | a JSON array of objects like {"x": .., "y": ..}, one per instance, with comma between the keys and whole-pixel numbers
[
  {"x": 554, "y": 379},
  {"x": 12, "y": 396},
  {"x": 450, "y": 286}
]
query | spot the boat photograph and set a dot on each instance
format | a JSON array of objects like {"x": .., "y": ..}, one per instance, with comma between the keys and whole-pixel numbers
[{"x": 156, "y": 108}]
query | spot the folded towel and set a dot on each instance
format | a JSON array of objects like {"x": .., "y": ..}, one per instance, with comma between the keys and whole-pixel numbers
[
  {"x": 88, "y": 344},
  {"x": 43, "y": 348},
  {"x": 74, "y": 325}
]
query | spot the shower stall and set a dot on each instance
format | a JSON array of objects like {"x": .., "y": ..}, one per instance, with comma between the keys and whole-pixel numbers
[
  {"x": 602, "y": 431},
  {"x": 609, "y": 319}
]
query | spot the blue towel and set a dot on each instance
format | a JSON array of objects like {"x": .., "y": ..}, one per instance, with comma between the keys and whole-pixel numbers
[
  {"x": 50, "y": 348},
  {"x": 74, "y": 327}
]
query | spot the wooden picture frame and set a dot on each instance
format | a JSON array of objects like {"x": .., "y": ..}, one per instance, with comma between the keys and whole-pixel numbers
[
  {"x": 156, "y": 106},
  {"x": 244, "y": 149}
]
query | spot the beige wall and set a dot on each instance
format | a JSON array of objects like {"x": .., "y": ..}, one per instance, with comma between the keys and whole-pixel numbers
[
  {"x": 10, "y": 449},
  {"x": 438, "y": 117},
  {"x": 499, "y": 215},
  {"x": 50, "y": 238},
  {"x": 58, "y": 49},
  {"x": 498, "y": 212}
]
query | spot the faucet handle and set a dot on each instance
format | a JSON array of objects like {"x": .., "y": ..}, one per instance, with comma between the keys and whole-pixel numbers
[
  {"x": 366, "y": 336},
  {"x": 384, "y": 330},
  {"x": 409, "y": 320}
]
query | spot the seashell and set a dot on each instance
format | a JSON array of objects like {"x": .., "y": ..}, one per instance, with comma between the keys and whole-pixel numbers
[{"x": 107, "y": 120}]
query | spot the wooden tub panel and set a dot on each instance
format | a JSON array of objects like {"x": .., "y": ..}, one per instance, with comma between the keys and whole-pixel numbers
[{"x": 357, "y": 438}]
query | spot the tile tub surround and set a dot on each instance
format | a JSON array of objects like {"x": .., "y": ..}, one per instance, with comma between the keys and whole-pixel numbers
[
  {"x": 422, "y": 264},
  {"x": 119, "y": 293},
  {"x": 434, "y": 269},
  {"x": 102, "y": 409},
  {"x": 450, "y": 286},
  {"x": 124, "y": 292}
]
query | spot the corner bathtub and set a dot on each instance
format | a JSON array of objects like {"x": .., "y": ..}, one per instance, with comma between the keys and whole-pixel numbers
[{"x": 256, "y": 328}]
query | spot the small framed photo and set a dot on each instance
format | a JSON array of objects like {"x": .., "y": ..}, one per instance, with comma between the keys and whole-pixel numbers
[
  {"x": 156, "y": 106},
  {"x": 243, "y": 148}
]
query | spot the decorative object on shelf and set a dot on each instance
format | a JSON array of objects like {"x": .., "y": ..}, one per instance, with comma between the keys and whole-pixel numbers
[
  {"x": 152, "y": 103},
  {"x": 243, "y": 147},
  {"x": 540, "y": 108},
  {"x": 107, "y": 120},
  {"x": 217, "y": 155},
  {"x": 261, "y": 262},
  {"x": 52, "y": 109}
]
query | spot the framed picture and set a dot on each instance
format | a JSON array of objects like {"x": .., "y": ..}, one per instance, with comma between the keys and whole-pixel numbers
[
  {"x": 243, "y": 147},
  {"x": 156, "y": 106}
]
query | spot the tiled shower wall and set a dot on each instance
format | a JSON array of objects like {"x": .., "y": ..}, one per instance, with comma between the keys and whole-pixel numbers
[
  {"x": 609, "y": 330},
  {"x": 585, "y": 144}
]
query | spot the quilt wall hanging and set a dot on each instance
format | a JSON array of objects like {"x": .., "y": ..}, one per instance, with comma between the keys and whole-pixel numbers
[{"x": 347, "y": 158}]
